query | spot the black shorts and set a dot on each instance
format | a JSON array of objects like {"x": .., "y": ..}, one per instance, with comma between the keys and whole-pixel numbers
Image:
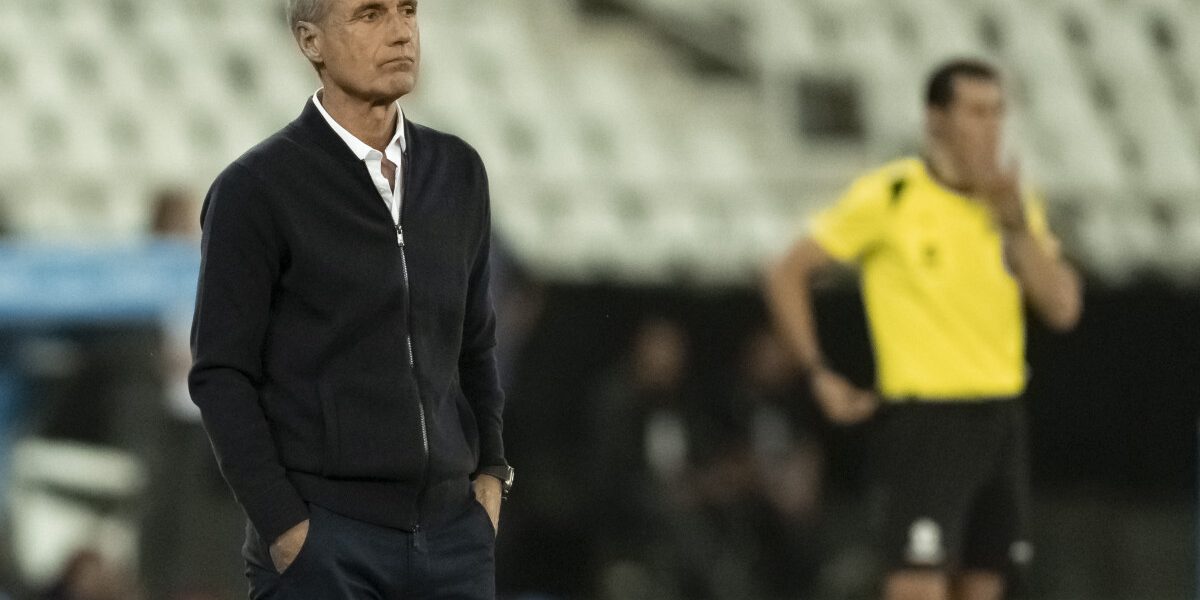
[{"x": 953, "y": 484}]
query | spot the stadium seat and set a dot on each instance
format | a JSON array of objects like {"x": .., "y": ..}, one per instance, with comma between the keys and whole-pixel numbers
[
  {"x": 66, "y": 496},
  {"x": 573, "y": 107},
  {"x": 1184, "y": 245}
]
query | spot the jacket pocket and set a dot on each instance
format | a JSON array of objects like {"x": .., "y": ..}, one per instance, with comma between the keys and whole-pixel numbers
[
  {"x": 455, "y": 437},
  {"x": 330, "y": 451},
  {"x": 296, "y": 422},
  {"x": 373, "y": 428},
  {"x": 466, "y": 417}
]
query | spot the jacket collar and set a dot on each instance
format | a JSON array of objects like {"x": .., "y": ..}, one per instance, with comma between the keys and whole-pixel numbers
[
  {"x": 359, "y": 147},
  {"x": 315, "y": 130}
]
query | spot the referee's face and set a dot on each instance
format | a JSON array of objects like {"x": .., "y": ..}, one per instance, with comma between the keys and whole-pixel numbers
[
  {"x": 972, "y": 125},
  {"x": 369, "y": 49}
]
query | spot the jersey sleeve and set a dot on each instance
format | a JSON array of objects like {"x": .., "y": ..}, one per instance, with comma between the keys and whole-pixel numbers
[
  {"x": 1035, "y": 216},
  {"x": 855, "y": 223}
]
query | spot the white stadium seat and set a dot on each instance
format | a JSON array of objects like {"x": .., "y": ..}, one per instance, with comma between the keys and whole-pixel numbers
[{"x": 597, "y": 110}]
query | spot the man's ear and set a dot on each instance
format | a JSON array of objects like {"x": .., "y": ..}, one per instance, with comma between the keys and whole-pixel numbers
[
  {"x": 308, "y": 37},
  {"x": 935, "y": 122}
]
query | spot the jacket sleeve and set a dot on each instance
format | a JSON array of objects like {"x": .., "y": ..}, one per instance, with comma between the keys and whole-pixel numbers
[
  {"x": 240, "y": 263},
  {"x": 477, "y": 361}
]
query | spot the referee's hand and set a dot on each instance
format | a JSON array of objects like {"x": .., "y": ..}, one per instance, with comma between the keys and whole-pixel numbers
[
  {"x": 1001, "y": 189},
  {"x": 842, "y": 402}
]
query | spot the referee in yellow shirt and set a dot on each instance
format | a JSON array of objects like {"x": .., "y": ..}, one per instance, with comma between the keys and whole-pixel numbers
[{"x": 949, "y": 247}]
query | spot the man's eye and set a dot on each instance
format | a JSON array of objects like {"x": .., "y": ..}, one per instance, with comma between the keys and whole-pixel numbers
[{"x": 370, "y": 15}]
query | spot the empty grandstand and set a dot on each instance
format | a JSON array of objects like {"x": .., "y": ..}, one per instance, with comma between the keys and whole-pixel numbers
[{"x": 629, "y": 139}]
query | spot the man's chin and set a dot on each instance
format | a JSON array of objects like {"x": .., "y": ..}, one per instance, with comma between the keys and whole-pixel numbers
[
  {"x": 400, "y": 85},
  {"x": 982, "y": 165}
]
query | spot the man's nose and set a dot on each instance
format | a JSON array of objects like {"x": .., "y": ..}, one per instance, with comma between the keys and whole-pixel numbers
[{"x": 400, "y": 28}]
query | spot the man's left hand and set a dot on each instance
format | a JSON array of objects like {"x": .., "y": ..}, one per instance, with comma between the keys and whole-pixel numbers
[{"x": 488, "y": 493}]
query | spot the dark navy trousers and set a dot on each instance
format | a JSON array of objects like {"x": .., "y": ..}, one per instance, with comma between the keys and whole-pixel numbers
[{"x": 346, "y": 559}]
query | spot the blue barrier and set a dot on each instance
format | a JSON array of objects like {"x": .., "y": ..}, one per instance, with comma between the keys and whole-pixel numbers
[{"x": 56, "y": 283}]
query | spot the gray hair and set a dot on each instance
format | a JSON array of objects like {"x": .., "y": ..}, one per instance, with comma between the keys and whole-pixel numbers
[{"x": 305, "y": 10}]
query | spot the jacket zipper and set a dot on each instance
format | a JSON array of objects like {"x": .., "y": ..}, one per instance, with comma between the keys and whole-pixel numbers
[
  {"x": 408, "y": 337},
  {"x": 405, "y": 199}
]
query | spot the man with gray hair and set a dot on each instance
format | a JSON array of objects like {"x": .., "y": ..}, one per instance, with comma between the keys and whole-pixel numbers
[{"x": 343, "y": 339}]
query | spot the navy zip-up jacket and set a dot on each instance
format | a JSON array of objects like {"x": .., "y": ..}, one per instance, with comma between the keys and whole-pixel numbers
[{"x": 306, "y": 307}]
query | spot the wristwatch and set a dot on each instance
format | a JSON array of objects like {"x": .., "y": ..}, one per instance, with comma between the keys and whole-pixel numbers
[{"x": 504, "y": 473}]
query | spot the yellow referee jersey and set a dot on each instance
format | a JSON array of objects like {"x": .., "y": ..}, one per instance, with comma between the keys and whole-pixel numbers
[{"x": 946, "y": 316}]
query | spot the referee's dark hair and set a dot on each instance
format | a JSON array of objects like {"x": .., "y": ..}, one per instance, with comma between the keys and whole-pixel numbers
[{"x": 940, "y": 92}]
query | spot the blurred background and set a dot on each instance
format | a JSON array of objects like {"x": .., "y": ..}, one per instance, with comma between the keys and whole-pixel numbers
[{"x": 647, "y": 159}]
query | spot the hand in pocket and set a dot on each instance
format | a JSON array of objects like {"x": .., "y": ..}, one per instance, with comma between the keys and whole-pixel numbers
[{"x": 285, "y": 549}]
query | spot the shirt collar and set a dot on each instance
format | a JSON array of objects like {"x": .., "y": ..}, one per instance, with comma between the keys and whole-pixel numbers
[{"x": 357, "y": 146}]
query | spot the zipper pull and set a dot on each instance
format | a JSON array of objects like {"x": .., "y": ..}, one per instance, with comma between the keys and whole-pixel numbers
[{"x": 399, "y": 235}]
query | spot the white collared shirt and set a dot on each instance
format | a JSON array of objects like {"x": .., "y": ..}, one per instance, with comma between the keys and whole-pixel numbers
[{"x": 373, "y": 159}]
